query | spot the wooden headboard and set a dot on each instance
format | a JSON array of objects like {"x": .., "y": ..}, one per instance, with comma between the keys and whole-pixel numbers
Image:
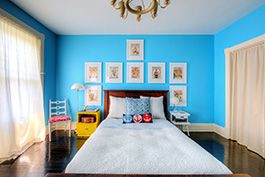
[{"x": 133, "y": 94}]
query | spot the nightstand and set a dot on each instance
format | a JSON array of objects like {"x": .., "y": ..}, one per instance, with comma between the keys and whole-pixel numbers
[
  {"x": 87, "y": 122},
  {"x": 180, "y": 118}
]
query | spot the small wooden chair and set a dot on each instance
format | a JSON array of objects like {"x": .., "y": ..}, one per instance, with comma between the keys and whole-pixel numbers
[{"x": 58, "y": 113}]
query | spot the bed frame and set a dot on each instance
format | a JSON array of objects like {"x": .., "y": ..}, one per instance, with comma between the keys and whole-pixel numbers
[
  {"x": 105, "y": 175},
  {"x": 133, "y": 94}
]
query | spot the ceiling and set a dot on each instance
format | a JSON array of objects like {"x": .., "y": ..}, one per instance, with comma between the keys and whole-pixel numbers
[{"x": 99, "y": 17}]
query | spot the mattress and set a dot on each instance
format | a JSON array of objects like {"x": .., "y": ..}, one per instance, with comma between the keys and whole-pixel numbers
[{"x": 156, "y": 148}]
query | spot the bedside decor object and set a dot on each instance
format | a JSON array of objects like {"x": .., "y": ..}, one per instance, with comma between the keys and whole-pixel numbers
[
  {"x": 87, "y": 122},
  {"x": 93, "y": 95},
  {"x": 138, "y": 8},
  {"x": 114, "y": 72},
  {"x": 77, "y": 87},
  {"x": 156, "y": 73},
  {"x": 180, "y": 118},
  {"x": 178, "y": 96},
  {"x": 178, "y": 73},
  {"x": 135, "y": 72},
  {"x": 87, "y": 109},
  {"x": 93, "y": 72},
  {"x": 135, "y": 49}
]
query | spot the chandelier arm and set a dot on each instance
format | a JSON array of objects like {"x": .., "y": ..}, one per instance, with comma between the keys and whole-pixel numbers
[
  {"x": 144, "y": 11},
  {"x": 126, "y": 14},
  {"x": 114, "y": 4},
  {"x": 161, "y": 6},
  {"x": 143, "y": 4}
]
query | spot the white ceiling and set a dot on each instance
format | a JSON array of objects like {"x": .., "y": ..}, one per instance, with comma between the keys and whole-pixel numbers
[{"x": 99, "y": 17}]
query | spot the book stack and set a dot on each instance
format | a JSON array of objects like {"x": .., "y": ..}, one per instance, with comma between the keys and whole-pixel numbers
[
  {"x": 181, "y": 116},
  {"x": 180, "y": 119},
  {"x": 88, "y": 119}
]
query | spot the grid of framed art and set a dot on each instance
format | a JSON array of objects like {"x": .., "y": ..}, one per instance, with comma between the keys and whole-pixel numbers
[{"x": 135, "y": 74}]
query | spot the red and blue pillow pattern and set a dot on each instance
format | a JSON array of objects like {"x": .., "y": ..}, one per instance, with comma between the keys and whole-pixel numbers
[{"x": 137, "y": 118}]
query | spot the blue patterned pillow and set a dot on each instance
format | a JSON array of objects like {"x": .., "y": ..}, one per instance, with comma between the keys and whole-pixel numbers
[{"x": 137, "y": 106}]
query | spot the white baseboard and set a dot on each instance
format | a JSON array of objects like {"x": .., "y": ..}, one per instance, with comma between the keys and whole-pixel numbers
[
  {"x": 196, "y": 127},
  {"x": 221, "y": 131},
  {"x": 60, "y": 126}
]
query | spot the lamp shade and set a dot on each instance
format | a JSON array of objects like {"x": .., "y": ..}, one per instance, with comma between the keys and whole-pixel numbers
[{"x": 77, "y": 87}]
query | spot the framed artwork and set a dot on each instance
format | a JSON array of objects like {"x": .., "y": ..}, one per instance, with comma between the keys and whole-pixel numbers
[
  {"x": 93, "y": 72},
  {"x": 178, "y": 73},
  {"x": 93, "y": 95},
  {"x": 156, "y": 72},
  {"x": 114, "y": 72},
  {"x": 178, "y": 96},
  {"x": 135, "y": 72},
  {"x": 135, "y": 49}
]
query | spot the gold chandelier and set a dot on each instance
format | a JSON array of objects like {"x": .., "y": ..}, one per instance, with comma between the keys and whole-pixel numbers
[{"x": 140, "y": 9}]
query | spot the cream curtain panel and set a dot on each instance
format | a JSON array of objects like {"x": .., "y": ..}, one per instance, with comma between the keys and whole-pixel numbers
[
  {"x": 247, "y": 97},
  {"x": 21, "y": 94}
]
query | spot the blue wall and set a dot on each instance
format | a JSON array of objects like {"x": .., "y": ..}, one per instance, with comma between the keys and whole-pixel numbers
[
  {"x": 196, "y": 50},
  {"x": 246, "y": 28},
  {"x": 49, "y": 49},
  {"x": 203, "y": 53}
]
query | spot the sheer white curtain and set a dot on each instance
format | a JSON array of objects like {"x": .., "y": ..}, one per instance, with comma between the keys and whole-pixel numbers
[
  {"x": 247, "y": 97},
  {"x": 21, "y": 94}
]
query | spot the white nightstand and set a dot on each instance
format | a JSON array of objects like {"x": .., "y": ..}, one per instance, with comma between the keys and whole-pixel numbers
[{"x": 180, "y": 118}]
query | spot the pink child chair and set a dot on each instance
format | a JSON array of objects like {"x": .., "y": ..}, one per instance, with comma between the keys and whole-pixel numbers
[{"x": 58, "y": 114}]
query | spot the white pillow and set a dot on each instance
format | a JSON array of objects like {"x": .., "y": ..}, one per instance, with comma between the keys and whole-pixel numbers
[
  {"x": 117, "y": 107},
  {"x": 157, "y": 107}
]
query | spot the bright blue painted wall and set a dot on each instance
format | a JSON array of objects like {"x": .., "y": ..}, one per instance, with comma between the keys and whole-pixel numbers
[
  {"x": 196, "y": 50},
  {"x": 246, "y": 28},
  {"x": 49, "y": 49}
]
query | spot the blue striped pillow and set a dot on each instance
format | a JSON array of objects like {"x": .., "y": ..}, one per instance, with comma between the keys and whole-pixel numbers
[{"x": 137, "y": 106}]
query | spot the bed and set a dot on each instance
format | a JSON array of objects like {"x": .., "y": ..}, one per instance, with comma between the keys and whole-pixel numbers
[{"x": 158, "y": 148}]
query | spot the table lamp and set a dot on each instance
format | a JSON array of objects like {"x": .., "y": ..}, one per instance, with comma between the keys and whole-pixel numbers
[{"x": 77, "y": 87}]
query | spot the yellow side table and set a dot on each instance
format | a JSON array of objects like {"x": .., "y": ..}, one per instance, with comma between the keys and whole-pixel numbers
[{"x": 86, "y": 129}]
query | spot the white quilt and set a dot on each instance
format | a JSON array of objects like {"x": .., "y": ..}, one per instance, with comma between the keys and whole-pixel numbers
[{"x": 157, "y": 148}]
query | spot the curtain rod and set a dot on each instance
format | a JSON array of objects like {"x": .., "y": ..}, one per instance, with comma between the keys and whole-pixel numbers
[
  {"x": 250, "y": 43},
  {"x": 21, "y": 24},
  {"x": 250, "y": 46}
]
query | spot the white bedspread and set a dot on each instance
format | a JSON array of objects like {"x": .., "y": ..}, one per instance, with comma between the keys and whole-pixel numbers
[{"x": 157, "y": 148}]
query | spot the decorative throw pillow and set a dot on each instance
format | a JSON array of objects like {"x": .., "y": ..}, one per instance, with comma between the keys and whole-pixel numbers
[
  {"x": 137, "y": 118},
  {"x": 156, "y": 107},
  {"x": 127, "y": 118},
  {"x": 137, "y": 106}
]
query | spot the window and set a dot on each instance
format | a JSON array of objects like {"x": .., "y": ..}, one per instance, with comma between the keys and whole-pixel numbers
[{"x": 21, "y": 101}]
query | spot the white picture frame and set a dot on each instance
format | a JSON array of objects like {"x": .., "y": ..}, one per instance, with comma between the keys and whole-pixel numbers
[
  {"x": 93, "y": 95},
  {"x": 135, "y": 72},
  {"x": 156, "y": 72},
  {"x": 178, "y": 73},
  {"x": 93, "y": 72},
  {"x": 114, "y": 72},
  {"x": 135, "y": 49},
  {"x": 178, "y": 96}
]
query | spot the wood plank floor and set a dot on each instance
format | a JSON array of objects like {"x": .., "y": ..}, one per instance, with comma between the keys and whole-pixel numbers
[{"x": 53, "y": 157}]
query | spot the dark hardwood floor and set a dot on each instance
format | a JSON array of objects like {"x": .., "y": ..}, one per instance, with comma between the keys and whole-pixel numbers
[{"x": 53, "y": 157}]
